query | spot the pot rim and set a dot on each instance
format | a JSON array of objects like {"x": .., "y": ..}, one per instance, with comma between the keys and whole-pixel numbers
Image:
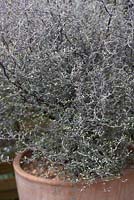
[
  {"x": 29, "y": 177},
  {"x": 56, "y": 182}
]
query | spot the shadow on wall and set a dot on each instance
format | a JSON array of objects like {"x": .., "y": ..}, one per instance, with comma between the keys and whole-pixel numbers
[{"x": 8, "y": 189}]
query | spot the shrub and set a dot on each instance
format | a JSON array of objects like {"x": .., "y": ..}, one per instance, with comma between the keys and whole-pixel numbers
[{"x": 69, "y": 63}]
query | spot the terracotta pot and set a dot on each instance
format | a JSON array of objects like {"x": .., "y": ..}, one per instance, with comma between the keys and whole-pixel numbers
[{"x": 36, "y": 188}]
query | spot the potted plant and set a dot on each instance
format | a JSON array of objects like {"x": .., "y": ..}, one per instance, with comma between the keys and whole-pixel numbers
[{"x": 68, "y": 67}]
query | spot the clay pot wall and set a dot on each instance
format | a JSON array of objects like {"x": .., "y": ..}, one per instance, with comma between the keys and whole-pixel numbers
[{"x": 31, "y": 187}]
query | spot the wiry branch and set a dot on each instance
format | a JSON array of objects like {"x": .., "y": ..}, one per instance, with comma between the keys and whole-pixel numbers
[{"x": 4, "y": 70}]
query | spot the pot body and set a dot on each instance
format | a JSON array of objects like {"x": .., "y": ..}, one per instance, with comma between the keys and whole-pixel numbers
[{"x": 31, "y": 187}]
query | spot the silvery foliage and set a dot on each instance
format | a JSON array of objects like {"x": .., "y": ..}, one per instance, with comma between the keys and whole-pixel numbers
[{"x": 72, "y": 61}]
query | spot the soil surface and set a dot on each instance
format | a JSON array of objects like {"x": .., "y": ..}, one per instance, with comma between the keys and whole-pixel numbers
[{"x": 46, "y": 169}]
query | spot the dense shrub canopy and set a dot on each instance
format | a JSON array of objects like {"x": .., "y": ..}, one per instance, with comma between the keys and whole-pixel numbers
[{"x": 67, "y": 84}]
